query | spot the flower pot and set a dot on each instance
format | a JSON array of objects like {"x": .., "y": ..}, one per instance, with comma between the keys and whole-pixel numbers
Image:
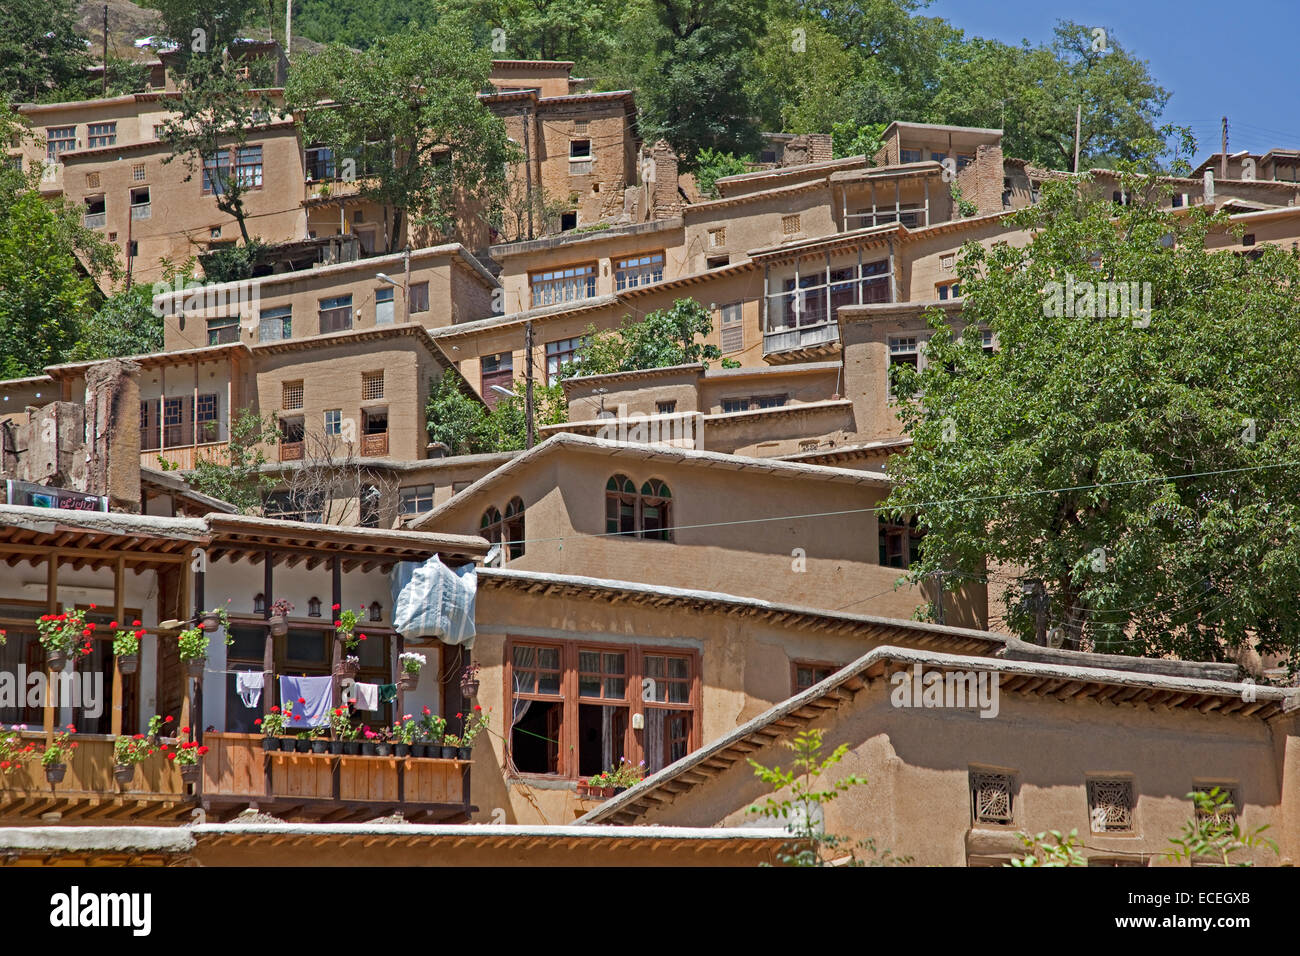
[
  {"x": 320, "y": 746},
  {"x": 383, "y": 749},
  {"x": 55, "y": 660},
  {"x": 401, "y": 750},
  {"x": 344, "y": 669},
  {"x": 210, "y": 622},
  {"x": 194, "y": 666},
  {"x": 336, "y": 746},
  {"x": 352, "y": 747},
  {"x": 469, "y": 688},
  {"x": 463, "y": 753},
  {"x": 618, "y": 790},
  {"x": 189, "y": 772},
  {"x": 422, "y": 750},
  {"x": 408, "y": 680},
  {"x": 289, "y": 744},
  {"x": 368, "y": 748},
  {"x": 54, "y": 772},
  {"x": 270, "y": 743},
  {"x": 279, "y": 625},
  {"x": 128, "y": 663},
  {"x": 448, "y": 753},
  {"x": 302, "y": 746},
  {"x": 123, "y": 773}
]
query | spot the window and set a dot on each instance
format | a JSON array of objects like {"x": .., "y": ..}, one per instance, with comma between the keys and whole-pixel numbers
[
  {"x": 223, "y": 331},
  {"x": 644, "y": 515},
  {"x": 206, "y": 418},
  {"x": 335, "y": 314},
  {"x": 216, "y": 172},
  {"x": 59, "y": 139},
  {"x": 718, "y": 237},
  {"x": 949, "y": 290},
  {"x": 97, "y": 214},
  {"x": 964, "y": 160},
  {"x": 947, "y": 262},
  {"x": 320, "y": 163},
  {"x": 248, "y": 167},
  {"x": 489, "y": 526},
  {"x": 572, "y": 703},
  {"x": 372, "y": 386},
  {"x": 806, "y": 673},
  {"x": 903, "y": 350},
  {"x": 150, "y": 436},
  {"x": 384, "y": 305},
  {"x": 291, "y": 395},
  {"x": 638, "y": 270},
  {"x": 140, "y": 208},
  {"x": 754, "y": 403},
  {"x": 275, "y": 325},
  {"x": 568, "y": 220},
  {"x": 92, "y": 180},
  {"x": 419, "y": 297},
  {"x": 909, "y": 155},
  {"x": 1110, "y": 805},
  {"x": 580, "y": 127},
  {"x": 101, "y": 134},
  {"x": 498, "y": 370},
  {"x": 567, "y": 284},
  {"x": 665, "y": 408},
  {"x": 937, "y": 157},
  {"x": 1228, "y": 815},
  {"x": 174, "y": 430},
  {"x": 334, "y": 422},
  {"x": 513, "y": 528},
  {"x": 1177, "y": 200},
  {"x": 620, "y": 506},
  {"x": 416, "y": 500},
  {"x": 717, "y": 262},
  {"x": 733, "y": 328},
  {"x": 807, "y": 303},
  {"x": 656, "y": 511},
  {"x": 900, "y": 543},
  {"x": 991, "y": 796},
  {"x": 730, "y": 405},
  {"x": 259, "y": 603},
  {"x": 579, "y": 157},
  {"x": 295, "y": 506},
  {"x": 770, "y": 401},
  {"x": 790, "y": 225},
  {"x": 557, "y": 354},
  {"x": 987, "y": 341},
  {"x": 246, "y": 173}
]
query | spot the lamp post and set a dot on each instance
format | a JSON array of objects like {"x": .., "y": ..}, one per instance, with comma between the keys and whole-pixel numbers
[{"x": 404, "y": 285}]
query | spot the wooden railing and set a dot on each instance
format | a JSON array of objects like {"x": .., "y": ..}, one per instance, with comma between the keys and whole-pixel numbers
[
  {"x": 374, "y": 445},
  {"x": 238, "y": 773},
  {"x": 291, "y": 451},
  {"x": 185, "y": 457}
]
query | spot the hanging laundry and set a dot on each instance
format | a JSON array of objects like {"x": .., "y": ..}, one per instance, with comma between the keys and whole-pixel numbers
[
  {"x": 366, "y": 696},
  {"x": 318, "y": 692},
  {"x": 433, "y": 600},
  {"x": 249, "y": 685},
  {"x": 387, "y": 693}
]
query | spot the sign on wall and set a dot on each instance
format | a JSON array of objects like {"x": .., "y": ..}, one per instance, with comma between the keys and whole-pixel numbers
[{"x": 40, "y": 496}]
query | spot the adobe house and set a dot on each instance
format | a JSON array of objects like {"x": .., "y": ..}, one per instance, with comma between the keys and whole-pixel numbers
[{"x": 1106, "y": 746}]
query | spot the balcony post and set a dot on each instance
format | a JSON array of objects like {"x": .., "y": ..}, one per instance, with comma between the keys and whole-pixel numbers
[
  {"x": 269, "y": 690},
  {"x": 51, "y": 607},
  {"x": 336, "y": 598},
  {"x": 200, "y": 602},
  {"x": 119, "y": 575},
  {"x": 762, "y": 318},
  {"x": 926, "y": 181}
]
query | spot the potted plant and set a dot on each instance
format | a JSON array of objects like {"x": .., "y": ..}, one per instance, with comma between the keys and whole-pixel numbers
[
  {"x": 432, "y": 727},
  {"x": 193, "y": 649},
  {"x": 383, "y": 742},
  {"x": 447, "y": 749},
  {"x": 55, "y": 758},
  {"x": 215, "y": 618},
  {"x": 320, "y": 739},
  {"x": 350, "y": 666},
  {"x": 64, "y": 636},
  {"x": 279, "y": 621},
  {"x": 127, "y": 752},
  {"x": 345, "y": 626},
  {"x": 341, "y": 729},
  {"x": 409, "y": 676},
  {"x": 469, "y": 680},
  {"x": 186, "y": 756},
  {"x": 12, "y": 749},
  {"x": 369, "y": 741},
  {"x": 597, "y": 786},
  {"x": 126, "y": 646},
  {"x": 404, "y": 734},
  {"x": 272, "y": 727},
  {"x": 626, "y": 775},
  {"x": 474, "y": 723},
  {"x": 155, "y": 727}
]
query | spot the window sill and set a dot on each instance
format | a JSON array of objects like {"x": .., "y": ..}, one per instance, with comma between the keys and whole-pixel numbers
[{"x": 542, "y": 781}]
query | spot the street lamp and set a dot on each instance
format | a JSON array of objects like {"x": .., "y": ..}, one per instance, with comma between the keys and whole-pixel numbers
[
  {"x": 406, "y": 292},
  {"x": 501, "y": 390}
]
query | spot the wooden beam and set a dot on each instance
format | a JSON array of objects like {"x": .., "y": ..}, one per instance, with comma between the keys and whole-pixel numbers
[
  {"x": 51, "y": 607},
  {"x": 119, "y": 612}
]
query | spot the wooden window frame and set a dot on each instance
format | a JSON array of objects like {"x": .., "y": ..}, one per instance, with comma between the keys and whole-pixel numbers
[
  {"x": 569, "y": 699},
  {"x": 797, "y": 663}
]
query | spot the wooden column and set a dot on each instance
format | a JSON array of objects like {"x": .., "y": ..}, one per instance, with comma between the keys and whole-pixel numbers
[
  {"x": 51, "y": 607},
  {"x": 199, "y": 601},
  {"x": 270, "y": 693},
  {"x": 183, "y": 612},
  {"x": 119, "y": 612},
  {"x": 336, "y": 598}
]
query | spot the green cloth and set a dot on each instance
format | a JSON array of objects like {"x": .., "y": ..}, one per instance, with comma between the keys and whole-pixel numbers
[{"x": 387, "y": 692}]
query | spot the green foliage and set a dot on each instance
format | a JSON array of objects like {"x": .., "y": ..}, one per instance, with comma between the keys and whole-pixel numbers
[
  {"x": 240, "y": 480},
  {"x": 42, "y": 57},
  {"x": 467, "y": 427},
  {"x": 1142, "y": 466},
  {"x": 802, "y": 810},
  {"x": 233, "y": 263},
  {"x": 711, "y": 165},
  {"x": 1214, "y": 833},
  {"x": 964, "y": 206},
  {"x": 665, "y": 337},
  {"x": 1061, "y": 850},
  {"x": 849, "y": 139},
  {"x": 125, "y": 324},
  {"x": 407, "y": 109},
  {"x": 220, "y": 21}
]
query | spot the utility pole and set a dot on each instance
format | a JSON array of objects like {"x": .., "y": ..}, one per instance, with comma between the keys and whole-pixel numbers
[
  {"x": 528, "y": 383},
  {"x": 938, "y": 598},
  {"x": 288, "y": 25},
  {"x": 1078, "y": 123},
  {"x": 1223, "y": 155},
  {"x": 406, "y": 279},
  {"x": 528, "y": 173},
  {"x": 106, "y": 49}
]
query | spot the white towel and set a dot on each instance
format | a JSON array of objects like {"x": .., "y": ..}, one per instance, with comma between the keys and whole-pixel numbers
[
  {"x": 249, "y": 684},
  {"x": 366, "y": 696}
]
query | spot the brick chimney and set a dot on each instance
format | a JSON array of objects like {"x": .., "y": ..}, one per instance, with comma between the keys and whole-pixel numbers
[
  {"x": 665, "y": 199},
  {"x": 981, "y": 181}
]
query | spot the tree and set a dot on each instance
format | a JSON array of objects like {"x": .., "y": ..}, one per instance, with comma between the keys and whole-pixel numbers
[
  {"x": 1063, "y": 849},
  {"x": 408, "y": 109},
  {"x": 241, "y": 480},
  {"x": 466, "y": 426},
  {"x": 218, "y": 21},
  {"x": 125, "y": 324},
  {"x": 802, "y": 811},
  {"x": 1214, "y": 833},
  {"x": 216, "y": 114},
  {"x": 1134, "y": 451},
  {"x": 344, "y": 487},
  {"x": 665, "y": 337},
  {"x": 710, "y": 166},
  {"x": 42, "y": 56},
  {"x": 850, "y": 139},
  {"x": 455, "y": 416}
]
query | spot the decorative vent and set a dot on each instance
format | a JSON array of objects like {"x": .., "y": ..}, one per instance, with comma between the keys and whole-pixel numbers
[
  {"x": 717, "y": 237},
  {"x": 1225, "y": 816},
  {"x": 92, "y": 180},
  {"x": 947, "y": 262},
  {"x": 1110, "y": 805},
  {"x": 790, "y": 225},
  {"x": 990, "y": 795},
  {"x": 372, "y": 386},
  {"x": 137, "y": 172},
  {"x": 291, "y": 395},
  {"x": 580, "y": 127}
]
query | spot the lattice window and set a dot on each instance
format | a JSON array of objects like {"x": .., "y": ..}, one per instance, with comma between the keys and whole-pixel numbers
[
  {"x": 790, "y": 224},
  {"x": 991, "y": 797},
  {"x": 92, "y": 180},
  {"x": 1225, "y": 816},
  {"x": 1110, "y": 805},
  {"x": 137, "y": 172},
  {"x": 291, "y": 395},
  {"x": 580, "y": 127},
  {"x": 947, "y": 262},
  {"x": 718, "y": 237},
  {"x": 372, "y": 386}
]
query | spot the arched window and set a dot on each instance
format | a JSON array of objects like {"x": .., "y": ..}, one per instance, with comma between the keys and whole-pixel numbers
[
  {"x": 514, "y": 528},
  {"x": 620, "y": 506},
  {"x": 489, "y": 526},
  {"x": 376, "y": 611},
  {"x": 656, "y": 511},
  {"x": 259, "y": 603},
  {"x": 313, "y": 607}
]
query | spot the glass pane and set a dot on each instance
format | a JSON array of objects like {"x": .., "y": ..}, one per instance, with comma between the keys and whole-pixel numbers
[
  {"x": 615, "y": 687},
  {"x": 678, "y": 667},
  {"x": 589, "y": 686},
  {"x": 679, "y": 693},
  {"x": 525, "y": 681},
  {"x": 548, "y": 657},
  {"x": 589, "y": 661},
  {"x": 305, "y": 646},
  {"x": 548, "y": 684},
  {"x": 523, "y": 656},
  {"x": 654, "y": 666},
  {"x": 614, "y": 663}
]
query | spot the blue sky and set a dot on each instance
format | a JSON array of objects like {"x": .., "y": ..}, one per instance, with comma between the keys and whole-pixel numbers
[{"x": 1233, "y": 59}]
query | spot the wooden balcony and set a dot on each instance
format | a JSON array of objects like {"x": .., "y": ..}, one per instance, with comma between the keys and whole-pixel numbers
[
  {"x": 88, "y": 794},
  {"x": 185, "y": 457},
  {"x": 374, "y": 446},
  {"x": 238, "y": 774},
  {"x": 291, "y": 451}
]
